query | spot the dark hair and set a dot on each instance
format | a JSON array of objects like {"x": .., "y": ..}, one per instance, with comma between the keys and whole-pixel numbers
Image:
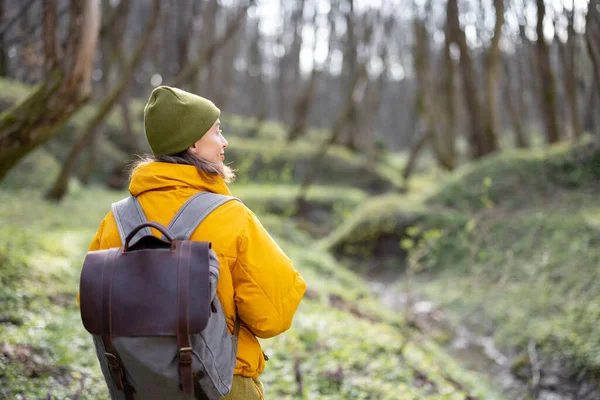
[{"x": 205, "y": 168}]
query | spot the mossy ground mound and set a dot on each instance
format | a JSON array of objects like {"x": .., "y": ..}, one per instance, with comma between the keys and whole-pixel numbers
[
  {"x": 45, "y": 350},
  {"x": 520, "y": 179},
  {"x": 511, "y": 249}
]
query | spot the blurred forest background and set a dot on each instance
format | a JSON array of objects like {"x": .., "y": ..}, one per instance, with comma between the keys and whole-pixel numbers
[{"x": 439, "y": 158}]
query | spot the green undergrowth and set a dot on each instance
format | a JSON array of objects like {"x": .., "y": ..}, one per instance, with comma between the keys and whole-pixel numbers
[
  {"x": 262, "y": 158},
  {"x": 508, "y": 246},
  {"x": 325, "y": 208},
  {"x": 343, "y": 343},
  {"x": 523, "y": 178},
  {"x": 278, "y": 162}
]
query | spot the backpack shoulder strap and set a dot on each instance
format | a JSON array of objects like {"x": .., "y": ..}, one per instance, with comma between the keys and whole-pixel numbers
[
  {"x": 193, "y": 212},
  {"x": 128, "y": 214}
]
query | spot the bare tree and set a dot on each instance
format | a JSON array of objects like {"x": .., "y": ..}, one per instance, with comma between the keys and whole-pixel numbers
[
  {"x": 592, "y": 35},
  {"x": 289, "y": 65},
  {"x": 477, "y": 141},
  {"x": 568, "y": 52},
  {"x": 548, "y": 86},
  {"x": 61, "y": 184},
  {"x": 66, "y": 86},
  {"x": 207, "y": 53},
  {"x": 514, "y": 104},
  {"x": 492, "y": 61},
  {"x": 306, "y": 97}
]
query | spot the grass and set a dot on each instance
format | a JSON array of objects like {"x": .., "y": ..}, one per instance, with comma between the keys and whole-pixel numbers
[
  {"x": 46, "y": 350},
  {"x": 507, "y": 246}
]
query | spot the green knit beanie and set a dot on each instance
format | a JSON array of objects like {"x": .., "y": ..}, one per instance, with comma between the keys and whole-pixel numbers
[{"x": 174, "y": 119}]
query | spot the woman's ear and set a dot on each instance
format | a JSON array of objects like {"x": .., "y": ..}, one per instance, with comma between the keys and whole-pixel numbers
[{"x": 194, "y": 148}]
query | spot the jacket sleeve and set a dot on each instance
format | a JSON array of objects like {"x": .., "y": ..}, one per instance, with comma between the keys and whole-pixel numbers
[{"x": 267, "y": 288}]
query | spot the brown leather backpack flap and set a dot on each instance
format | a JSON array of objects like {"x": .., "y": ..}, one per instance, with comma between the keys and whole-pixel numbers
[{"x": 136, "y": 293}]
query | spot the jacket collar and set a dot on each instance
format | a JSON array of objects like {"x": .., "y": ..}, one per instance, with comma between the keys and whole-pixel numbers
[{"x": 166, "y": 176}]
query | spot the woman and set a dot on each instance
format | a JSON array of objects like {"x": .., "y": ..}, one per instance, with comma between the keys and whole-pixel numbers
[{"x": 183, "y": 131}]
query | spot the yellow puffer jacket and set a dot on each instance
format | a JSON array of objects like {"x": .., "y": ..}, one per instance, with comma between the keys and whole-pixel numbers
[{"x": 256, "y": 275}]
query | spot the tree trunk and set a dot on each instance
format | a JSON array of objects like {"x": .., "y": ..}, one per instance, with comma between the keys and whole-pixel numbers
[
  {"x": 426, "y": 105},
  {"x": 414, "y": 154},
  {"x": 592, "y": 35},
  {"x": 208, "y": 53},
  {"x": 570, "y": 70},
  {"x": 65, "y": 88},
  {"x": 548, "y": 86},
  {"x": 306, "y": 98},
  {"x": 514, "y": 110},
  {"x": 3, "y": 57},
  {"x": 354, "y": 98},
  {"x": 493, "y": 59},
  {"x": 61, "y": 185},
  {"x": 132, "y": 140},
  {"x": 477, "y": 143},
  {"x": 449, "y": 135}
]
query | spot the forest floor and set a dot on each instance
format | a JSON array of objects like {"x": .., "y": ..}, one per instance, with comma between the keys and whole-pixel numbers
[{"x": 343, "y": 344}]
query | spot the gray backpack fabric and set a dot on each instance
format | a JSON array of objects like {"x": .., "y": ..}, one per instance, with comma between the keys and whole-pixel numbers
[{"x": 151, "y": 363}]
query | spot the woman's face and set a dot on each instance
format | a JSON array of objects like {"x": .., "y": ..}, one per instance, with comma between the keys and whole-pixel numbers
[{"x": 212, "y": 145}]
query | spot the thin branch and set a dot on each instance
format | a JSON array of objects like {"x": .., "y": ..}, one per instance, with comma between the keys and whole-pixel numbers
[
  {"x": 21, "y": 12},
  {"x": 32, "y": 31},
  {"x": 49, "y": 35}
]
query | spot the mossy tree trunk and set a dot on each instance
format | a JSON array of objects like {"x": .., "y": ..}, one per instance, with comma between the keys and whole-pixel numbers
[
  {"x": 547, "y": 84},
  {"x": 477, "y": 143},
  {"x": 61, "y": 185},
  {"x": 426, "y": 105},
  {"x": 592, "y": 36},
  {"x": 66, "y": 86},
  {"x": 492, "y": 62}
]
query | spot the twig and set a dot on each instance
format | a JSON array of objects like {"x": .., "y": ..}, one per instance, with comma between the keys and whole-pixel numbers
[{"x": 535, "y": 368}]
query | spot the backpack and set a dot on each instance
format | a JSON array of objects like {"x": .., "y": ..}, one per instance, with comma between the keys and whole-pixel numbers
[{"x": 157, "y": 325}]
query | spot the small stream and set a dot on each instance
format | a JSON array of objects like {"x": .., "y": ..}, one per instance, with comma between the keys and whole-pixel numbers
[{"x": 478, "y": 353}]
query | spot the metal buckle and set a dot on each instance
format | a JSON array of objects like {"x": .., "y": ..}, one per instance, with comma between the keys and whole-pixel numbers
[
  {"x": 113, "y": 361},
  {"x": 185, "y": 355}
]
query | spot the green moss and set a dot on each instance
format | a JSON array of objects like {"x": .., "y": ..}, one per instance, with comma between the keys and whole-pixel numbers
[
  {"x": 42, "y": 247},
  {"x": 518, "y": 179}
]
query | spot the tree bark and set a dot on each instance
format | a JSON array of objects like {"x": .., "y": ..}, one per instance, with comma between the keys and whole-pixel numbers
[
  {"x": 426, "y": 105},
  {"x": 493, "y": 59},
  {"x": 306, "y": 98},
  {"x": 66, "y": 87},
  {"x": 61, "y": 185},
  {"x": 568, "y": 51},
  {"x": 449, "y": 136},
  {"x": 548, "y": 86},
  {"x": 414, "y": 154},
  {"x": 514, "y": 110},
  {"x": 479, "y": 146},
  {"x": 592, "y": 35},
  {"x": 3, "y": 56}
]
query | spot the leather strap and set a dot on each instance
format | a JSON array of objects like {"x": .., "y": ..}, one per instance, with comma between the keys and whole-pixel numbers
[
  {"x": 183, "y": 320},
  {"x": 115, "y": 367}
]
